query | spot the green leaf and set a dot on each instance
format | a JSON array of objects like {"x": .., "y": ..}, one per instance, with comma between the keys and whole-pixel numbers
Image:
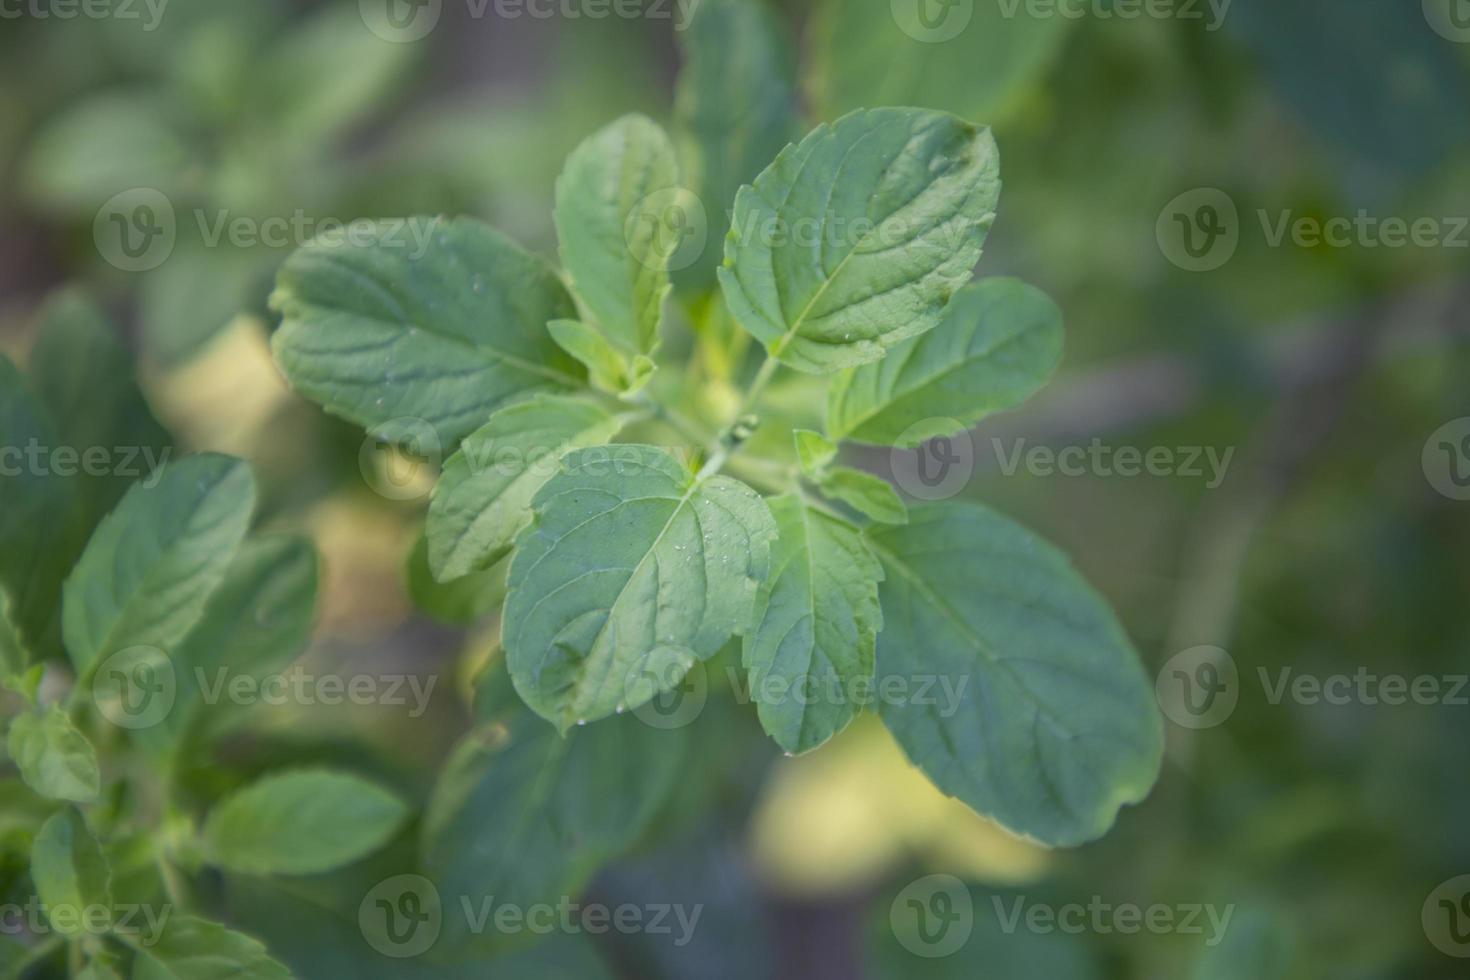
[
  {"x": 869, "y": 495},
  {"x": 856, "y": 238},
  {"x": 39, "y": 515},
  {"x": 734, "y": 109},
  {"x": 70, "y": 872},
  {"x": 84, "y": 377},
  {"x": 609, "y": 203},
  {"x": 53, "y": 757},
  {"x": 1046, "y": 721},
  {"x": 67, "y": 168},
  {"x": 15, "y": 660},
  {"x": 814, "y": 451},
  {"x": 301, "y": 822},
  {"x": 151, "y": 564},
  {"x": 634, "y": 571},
  {"x": 819, "y": 621},
  {"x": 976, "y": 61},
  {"x": 999, "y": 341},
  {"x": 459, "y": 602},
  {"x": 432, "y": 320},
  {"x": 196, "y": 949},
  {"x": 325, "y": 75},
  {"x": 525, "y": 815},
  {"x": 606, "y": 366},
  {"x": 640, "y": 372},
  {"x": 257, "y": 621},
  {"x": 483, "y": 499}
]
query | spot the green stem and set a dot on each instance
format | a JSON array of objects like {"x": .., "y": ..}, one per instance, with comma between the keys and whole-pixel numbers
[
  {"x": 173, "y": 885},
  {"x": 729, "y": 443},
  {"x": 757, "y": 386},
  {"x": 716, "y": 461}
]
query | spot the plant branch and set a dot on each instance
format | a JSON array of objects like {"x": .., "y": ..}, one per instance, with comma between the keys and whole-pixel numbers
[{"x": 757, "y": 387}]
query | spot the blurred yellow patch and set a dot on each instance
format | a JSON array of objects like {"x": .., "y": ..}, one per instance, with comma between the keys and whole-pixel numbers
[
  {"x": 841, "y": 817},
  {"x": 363, "y": 545},
  {"x": 221, "y": 398}
]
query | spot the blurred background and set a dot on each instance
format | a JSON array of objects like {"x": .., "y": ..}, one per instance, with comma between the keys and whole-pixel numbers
[{"x": 1254, "y": 215}]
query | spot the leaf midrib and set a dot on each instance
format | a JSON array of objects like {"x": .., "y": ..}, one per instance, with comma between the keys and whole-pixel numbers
[{"x": 578, "y": 698}]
